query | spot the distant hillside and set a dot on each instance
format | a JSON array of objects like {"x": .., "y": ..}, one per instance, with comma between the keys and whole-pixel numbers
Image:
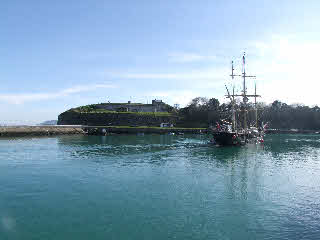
[
  {"x": 119, "y": 114},
  {"x": 49, "y": 122}
]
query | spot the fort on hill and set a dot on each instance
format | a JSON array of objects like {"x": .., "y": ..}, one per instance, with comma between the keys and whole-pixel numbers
[
  {"x": 120, "y": 114},
  {"x": 156, "y": 106}
]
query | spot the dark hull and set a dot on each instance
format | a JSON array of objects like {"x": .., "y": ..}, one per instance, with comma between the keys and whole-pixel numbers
[
  {"x": 223, "y": 138},
  {"x": 226, "y": 138}
]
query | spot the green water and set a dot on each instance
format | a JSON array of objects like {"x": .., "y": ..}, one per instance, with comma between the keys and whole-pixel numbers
[{"x": 159, "y": 187}]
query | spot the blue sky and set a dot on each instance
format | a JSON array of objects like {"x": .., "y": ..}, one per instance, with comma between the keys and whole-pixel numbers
[{"x": 61, "y": 54}]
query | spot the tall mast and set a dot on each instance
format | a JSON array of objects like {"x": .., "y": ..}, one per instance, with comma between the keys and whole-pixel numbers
[
  {"x": 234, "y": 111},
  {"x": 232, "y": 101},
  {"x": 255, "y": 104},
  {"x": 245, "y": 99},
  {"x": 244, "y": 95},
  {"x": 244, "y": 76}
]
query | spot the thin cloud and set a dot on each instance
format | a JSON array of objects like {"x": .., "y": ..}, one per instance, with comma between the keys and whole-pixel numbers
[
  {"x": 192, "y": 83},
  {"x": 28, "y": 97},
  {"x": 205, "y": 74},
  {"x": 287, "y": 69},
  {"x": 189, "y": 57}
]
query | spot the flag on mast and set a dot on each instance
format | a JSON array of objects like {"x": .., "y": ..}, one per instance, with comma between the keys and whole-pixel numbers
[
  {"x": 232, "y": 69},
  {"x": 244, "y": 61}
]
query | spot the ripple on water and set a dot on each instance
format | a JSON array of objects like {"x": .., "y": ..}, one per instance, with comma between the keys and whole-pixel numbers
[{"x": 159, "y": 187}]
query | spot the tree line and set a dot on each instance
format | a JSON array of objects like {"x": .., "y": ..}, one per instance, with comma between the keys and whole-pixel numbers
[{"x": 203, "y": 112}]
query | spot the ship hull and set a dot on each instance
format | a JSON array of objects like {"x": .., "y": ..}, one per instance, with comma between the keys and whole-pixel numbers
[{"x": 226, "y": 138}]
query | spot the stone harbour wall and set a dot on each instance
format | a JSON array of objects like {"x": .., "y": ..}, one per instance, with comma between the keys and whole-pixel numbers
[{"x": 21, "y": 131}]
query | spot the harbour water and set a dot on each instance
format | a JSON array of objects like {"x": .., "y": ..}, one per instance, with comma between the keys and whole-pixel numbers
[{"x": 159, "y": 187}]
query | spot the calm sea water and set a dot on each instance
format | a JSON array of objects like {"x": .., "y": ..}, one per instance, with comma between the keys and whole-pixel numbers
[{"x": 159, "y": 187}]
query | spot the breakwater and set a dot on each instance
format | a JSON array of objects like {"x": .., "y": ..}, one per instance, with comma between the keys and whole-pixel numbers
[
  {"x": 20, "y": 131},
  {"x": 105, "y": 130}
]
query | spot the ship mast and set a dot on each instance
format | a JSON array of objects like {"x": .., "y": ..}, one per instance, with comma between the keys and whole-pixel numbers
[
  {"x": 245, "y": 96},
  {"x": 234, "y": 112},
  {"x": 232, "y": 99},
  {"x": 255, "y": 104},
  {"x": 234, "y": 127},
  {"x": 245, "y": 99}
]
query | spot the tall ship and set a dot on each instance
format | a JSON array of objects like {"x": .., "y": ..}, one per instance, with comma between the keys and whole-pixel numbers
[{"x": 239, "y": 131}]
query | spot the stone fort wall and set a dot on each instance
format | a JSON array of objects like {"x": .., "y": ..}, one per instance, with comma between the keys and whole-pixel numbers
[
  {"x": 113, "y": 119},
  {"x": 156, "y": 106}
]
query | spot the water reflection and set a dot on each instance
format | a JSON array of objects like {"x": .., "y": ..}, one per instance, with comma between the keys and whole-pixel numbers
[
  {"x": 283, "y": 143},
  {"x": 241, "y": 165},
  {"x": 192, "y": 147},
  {"x": 155, "y": 146},
  {"x": 118, "y": 139},
  {"x": 285, "y": 149},
  {"x": 129, "y": 143},
  {"x": 164, "y": 182},
  {"x": 130, "y": 149}
]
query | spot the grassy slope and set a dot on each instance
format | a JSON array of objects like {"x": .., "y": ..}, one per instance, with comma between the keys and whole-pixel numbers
[{"x": 77, "y": 110}]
